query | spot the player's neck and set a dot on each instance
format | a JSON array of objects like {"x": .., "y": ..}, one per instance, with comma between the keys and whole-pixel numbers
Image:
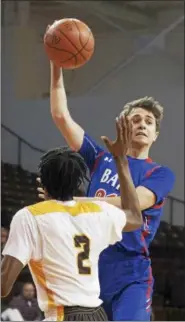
[{"x": 138, "y": 153}]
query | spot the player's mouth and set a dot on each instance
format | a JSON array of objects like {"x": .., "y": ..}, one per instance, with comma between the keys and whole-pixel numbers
[{"x": 141, "y": 134}]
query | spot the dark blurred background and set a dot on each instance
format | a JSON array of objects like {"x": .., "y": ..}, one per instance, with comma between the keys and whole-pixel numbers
[{"x": 139, "y": 52}]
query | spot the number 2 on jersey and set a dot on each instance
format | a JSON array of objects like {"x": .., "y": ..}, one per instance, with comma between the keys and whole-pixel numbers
[{"x": 83, "y": 242}]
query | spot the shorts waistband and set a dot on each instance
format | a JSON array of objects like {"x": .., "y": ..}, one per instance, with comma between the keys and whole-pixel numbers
[
  {"x": 57, "y": 312},
  {"x": 83, "y": 309}
]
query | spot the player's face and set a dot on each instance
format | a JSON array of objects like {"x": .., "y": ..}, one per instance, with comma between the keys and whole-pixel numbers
[{"x": 144, "y": 127}]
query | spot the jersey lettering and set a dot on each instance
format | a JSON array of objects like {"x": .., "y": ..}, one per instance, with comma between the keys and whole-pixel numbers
[
  {"x": 112, "y": 180},
  {"x": 105, "y": 175},
  {"x": 102, "y": 193}
]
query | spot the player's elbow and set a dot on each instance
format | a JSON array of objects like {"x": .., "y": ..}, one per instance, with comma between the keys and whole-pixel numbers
[
  {"x": 4, "y": 291},
  {"x": 65, "y": 125},
  {"x": 134, "y": 221}
]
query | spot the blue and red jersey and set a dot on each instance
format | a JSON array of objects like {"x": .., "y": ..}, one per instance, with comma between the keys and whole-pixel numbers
[{"x": 104, "y": 182}]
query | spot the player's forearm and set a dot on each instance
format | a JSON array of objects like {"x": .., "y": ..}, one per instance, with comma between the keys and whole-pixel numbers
[
  {"x": 72, "y": 132},
  {"x": 129, "y": 198},
  {"x": 58, "y": 97}
]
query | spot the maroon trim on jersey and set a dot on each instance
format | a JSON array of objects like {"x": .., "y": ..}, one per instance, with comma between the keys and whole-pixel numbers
[
  {"x": 144, "y": 248},
  {"x": 149, "y": 173},
  {"x": 159, "y": 205},
  {"x": 149, "y": 290},
  {"x": 96, "y": 162},
  {"x": 143, "y": 235},
  {"x": 146, "y": 233},
  {"x": 149, "y": 160}
]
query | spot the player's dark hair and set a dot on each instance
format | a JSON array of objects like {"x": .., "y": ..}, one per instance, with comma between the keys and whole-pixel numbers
[
  {"x": 149, "y": 104},
  {"x": 63, "y": 173}
]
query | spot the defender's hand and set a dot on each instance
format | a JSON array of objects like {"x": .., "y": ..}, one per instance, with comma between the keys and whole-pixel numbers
[
  {"x": 40, "y": 191},
  {"x": 120, "y": 146}
]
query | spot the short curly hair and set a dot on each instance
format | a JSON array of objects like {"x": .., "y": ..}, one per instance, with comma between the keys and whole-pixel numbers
[
  {"x": 63, "y": 173},
  {"x": 149, "y": 104}
]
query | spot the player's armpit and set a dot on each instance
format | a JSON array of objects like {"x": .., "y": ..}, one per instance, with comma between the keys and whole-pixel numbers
[
  {"x": 146, "y": 197},
  {"x": 10, "y": 269}
]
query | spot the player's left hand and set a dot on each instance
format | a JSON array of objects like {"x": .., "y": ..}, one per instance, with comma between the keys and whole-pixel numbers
[
  {"x": 120, "y": 146},
  {"x": 40, "y": 190}
]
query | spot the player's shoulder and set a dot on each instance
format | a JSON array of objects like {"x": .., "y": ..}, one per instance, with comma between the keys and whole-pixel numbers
[
  {"x": 159, "y": 169},
  {"x": 42, "y": 207},
  {"x": 166, "y": 169},
  {"x": 22, "y": 216},
  {"x": 167, "y": 172},
  {"x": 21, "y": 213}
]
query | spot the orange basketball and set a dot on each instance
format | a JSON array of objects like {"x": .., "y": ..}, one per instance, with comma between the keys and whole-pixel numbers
[{"x": 69, "y": 43}]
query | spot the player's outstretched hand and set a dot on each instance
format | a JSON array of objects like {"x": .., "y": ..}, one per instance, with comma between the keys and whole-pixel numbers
[
  {"x": 40, "y": 191},
  {"x": 120, "y": 146}
]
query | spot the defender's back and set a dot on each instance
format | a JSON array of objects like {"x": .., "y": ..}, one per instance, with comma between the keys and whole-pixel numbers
[{"x": 70, "y": 236}]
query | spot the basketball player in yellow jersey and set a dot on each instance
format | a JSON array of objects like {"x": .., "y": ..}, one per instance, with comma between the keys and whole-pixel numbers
[{"x": 61, "y": 239}]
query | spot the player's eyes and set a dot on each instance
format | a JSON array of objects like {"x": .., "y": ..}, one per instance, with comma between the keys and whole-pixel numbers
[
  {"x": 149, "y": 122},
  {"x": 136, "y": 120}
]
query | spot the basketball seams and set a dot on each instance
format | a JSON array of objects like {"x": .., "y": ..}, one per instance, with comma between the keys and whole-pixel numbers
[
  {"x": 78, "y": 51},
  {"x": 80, "y": 40},
  {"x": 91, "y": 49},
  {"x": 66, "y": 51}
]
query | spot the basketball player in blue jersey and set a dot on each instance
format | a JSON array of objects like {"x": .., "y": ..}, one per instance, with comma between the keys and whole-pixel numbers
[{"x": 125, "y": 268}]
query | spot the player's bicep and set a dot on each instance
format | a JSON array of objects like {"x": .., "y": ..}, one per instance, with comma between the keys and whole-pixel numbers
[
  {"x": 90, "y": 151},
  {"x": 20, "y": 243},
  {"x": 146, "y": 197}
]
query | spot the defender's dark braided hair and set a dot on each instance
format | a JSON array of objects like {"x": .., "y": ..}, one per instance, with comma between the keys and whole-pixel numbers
[{"x": 63, "y": 173}]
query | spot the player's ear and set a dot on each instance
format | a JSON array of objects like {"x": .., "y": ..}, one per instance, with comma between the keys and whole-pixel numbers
[{"x": 156, "y": 136}]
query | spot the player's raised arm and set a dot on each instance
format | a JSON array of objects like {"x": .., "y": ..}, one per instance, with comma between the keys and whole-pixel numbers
[
  {"x": 72, "y": 132},
  {"x": 129, "y": 199}
]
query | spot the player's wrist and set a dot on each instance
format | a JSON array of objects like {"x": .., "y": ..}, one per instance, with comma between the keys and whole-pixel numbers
[
  {"x": 121, "y": 163},
  {"x": 56, "y": 72},
  {"x": 121, "y": 158}
]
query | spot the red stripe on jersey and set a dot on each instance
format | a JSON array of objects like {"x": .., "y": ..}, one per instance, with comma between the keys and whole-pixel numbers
[
  {"x": 96, "y": 162},
  {"x": 148, "y": 174},
  {"x": 149, "y": 160},
  {"x": 160, "y": 205},
  {"x": 149, "y": 290}
]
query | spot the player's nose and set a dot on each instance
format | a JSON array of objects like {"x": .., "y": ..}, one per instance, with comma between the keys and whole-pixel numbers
[{"x": 142, "y": 126}]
